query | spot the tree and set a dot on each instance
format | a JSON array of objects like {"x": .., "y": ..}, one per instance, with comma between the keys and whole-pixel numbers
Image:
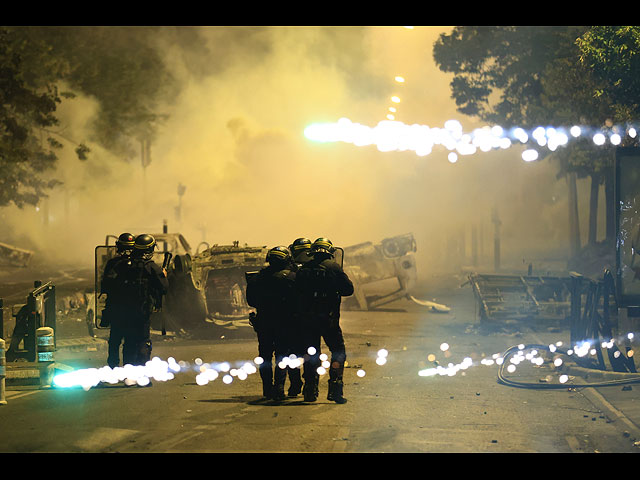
[
  {"x": 119, "y": 66},
  {"x": 612, "y": 53},
  {"x": 529, "y": 76},
  {"x": 26, "y": 110}
]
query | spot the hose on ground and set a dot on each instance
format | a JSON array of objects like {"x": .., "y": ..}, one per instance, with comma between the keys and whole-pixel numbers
[{"x": 502, "y": 379}]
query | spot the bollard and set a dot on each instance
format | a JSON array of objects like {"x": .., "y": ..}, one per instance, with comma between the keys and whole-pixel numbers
[
  {"x": 44, "y": 349},
  {"x": 45, "y": 346},
  {"x": 3, "y": 373}
]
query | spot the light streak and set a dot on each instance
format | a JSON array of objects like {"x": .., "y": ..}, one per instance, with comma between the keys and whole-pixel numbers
[
  {"x": 161, "y": 370},
  {"x": 390, "y": 135}
]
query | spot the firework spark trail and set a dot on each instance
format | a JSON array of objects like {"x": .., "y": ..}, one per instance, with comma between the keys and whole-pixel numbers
[
  {"x": 161, "y": 370},
  {"x": 397, "y": 136}
]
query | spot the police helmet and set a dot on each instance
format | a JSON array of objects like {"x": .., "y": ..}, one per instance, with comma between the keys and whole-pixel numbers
[
  {"x": 125, "y": 242},
  {"x": 278, "y": 256},
  {"x": 144, "y": 244},
  {"x": 300, "y": 244},
  {"x": 323, "y": 245}
]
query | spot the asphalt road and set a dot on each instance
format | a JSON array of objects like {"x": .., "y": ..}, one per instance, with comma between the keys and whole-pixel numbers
[{"x": 391, "y": 409}]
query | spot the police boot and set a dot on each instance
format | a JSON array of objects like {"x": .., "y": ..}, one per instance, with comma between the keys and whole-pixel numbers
[
  {"x": 335, "y": 391},
  {"x": 278, "y": 392},
  {"x": 336, "y": 385},
  {"x": 278, "y": 384},
  {"x": 266, "y": 374},
  {"x": 296, "y": 382},
  {"x": 310, "y": 389}
]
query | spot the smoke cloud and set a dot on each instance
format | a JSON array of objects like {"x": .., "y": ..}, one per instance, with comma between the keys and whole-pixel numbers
[{"x": 234, "y": 139}]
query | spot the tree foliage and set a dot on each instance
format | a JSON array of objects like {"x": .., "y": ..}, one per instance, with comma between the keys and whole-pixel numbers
[
  {"x": 612, "y": 53},
  {"x": 499, "y": 71},
  {"x": 529, "y": 76},
  {"x": 118, "y": 66},
  {"x": 26, "y": 109}
]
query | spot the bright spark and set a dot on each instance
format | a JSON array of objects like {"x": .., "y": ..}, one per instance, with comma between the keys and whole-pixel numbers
[{"x": 391, "y": 135}]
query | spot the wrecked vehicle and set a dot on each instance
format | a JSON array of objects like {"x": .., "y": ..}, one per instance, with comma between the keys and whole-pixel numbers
[
  {"x": 14, "y": 256},
  {"x": 511, "y": 298},
  {"x": 210, "y": 286},
  {"x": 381, "y": 273}
]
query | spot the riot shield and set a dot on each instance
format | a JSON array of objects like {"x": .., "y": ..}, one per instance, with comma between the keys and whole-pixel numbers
[
  {"x": 103, "y": 253},
  {"x": 338, "y": 256}
]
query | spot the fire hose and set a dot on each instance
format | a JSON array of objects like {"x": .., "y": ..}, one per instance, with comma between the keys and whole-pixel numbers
[{"x": 549, "y": 386}]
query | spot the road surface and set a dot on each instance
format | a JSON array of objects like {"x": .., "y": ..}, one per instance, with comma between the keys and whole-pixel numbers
[{"x": 392, "y": 408}]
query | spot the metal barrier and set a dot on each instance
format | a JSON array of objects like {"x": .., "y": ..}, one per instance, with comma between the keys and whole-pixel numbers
[
  {"x": 38, "y": 312},
  {"x": 41, "y": 307},
  {"x": 591, "y": 321}
]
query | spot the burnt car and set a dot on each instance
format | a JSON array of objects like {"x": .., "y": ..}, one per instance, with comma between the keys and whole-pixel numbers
[
  {"x": 382, "y": 272},
  {"x": 210, "y": 286},
  {"x": 14, "y": 256}
]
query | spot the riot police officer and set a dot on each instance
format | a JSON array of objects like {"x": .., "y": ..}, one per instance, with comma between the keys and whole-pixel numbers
[
  {"x": 321, "y": 283},
  {"x": 140, "y": 287},
  {"x": 111, "y": 316},
  {"x": 272, "y": 292},
  {"x": 301, "y": 251}
]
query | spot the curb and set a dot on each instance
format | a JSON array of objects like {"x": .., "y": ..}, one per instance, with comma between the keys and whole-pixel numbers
[
  {"x": 613, "y": 414},
  {"x": 81, "y": 343},
  {"x": 602, "y": 375}
]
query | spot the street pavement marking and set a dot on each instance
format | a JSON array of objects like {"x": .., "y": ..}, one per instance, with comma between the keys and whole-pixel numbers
[
  {"x": 13, "y": 394},
  {"x": 171, "y": 442},
  {"x": 340, "y": 440},
  {"x": 102, "y": 438},
  {"x": 573, "y": 443}
]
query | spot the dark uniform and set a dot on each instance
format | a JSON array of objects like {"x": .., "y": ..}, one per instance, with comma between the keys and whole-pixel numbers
[
  {"x": 272, "y": 292},
  {"x": 111, "y": 316},
  {"x": 321, "y": 283},
  {"x": 137, "y": 292}
]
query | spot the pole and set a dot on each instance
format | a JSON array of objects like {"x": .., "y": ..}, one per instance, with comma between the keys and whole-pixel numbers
[
  {"x": 3, "y": 372},
  {"x": 496, "y": 239}
]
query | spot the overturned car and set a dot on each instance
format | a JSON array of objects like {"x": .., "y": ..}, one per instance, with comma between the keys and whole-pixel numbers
[{"x": 381, "y": 273}]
